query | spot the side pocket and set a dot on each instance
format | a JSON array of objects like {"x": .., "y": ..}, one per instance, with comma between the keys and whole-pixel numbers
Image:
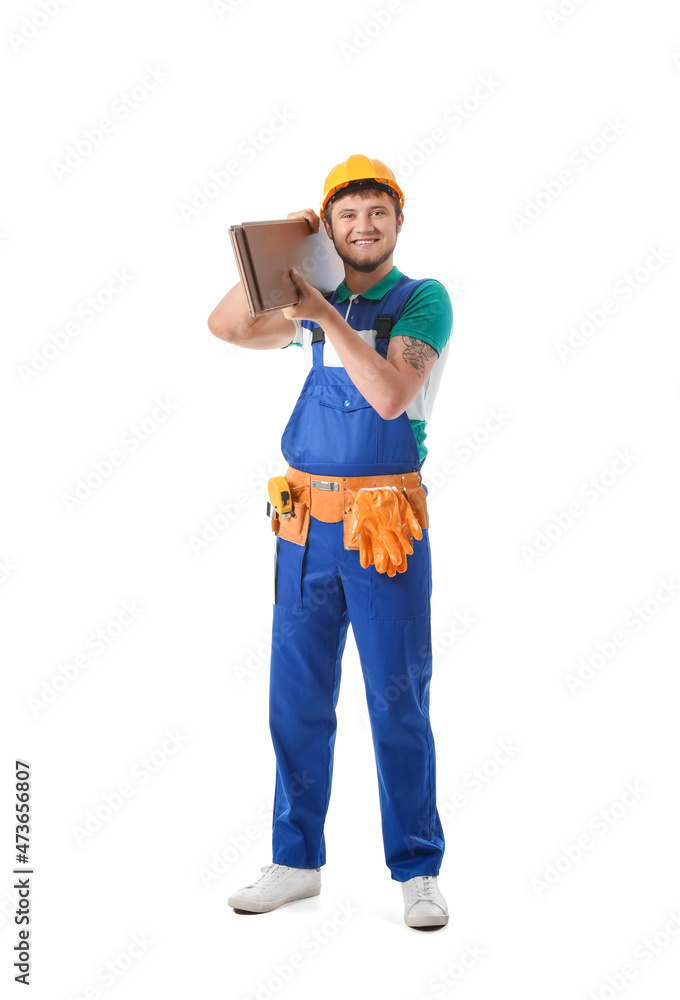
[
  {"x": 404, "y": 595},
  {"x": 291, "y": 551},
  {"x": 290, "y": 561}
]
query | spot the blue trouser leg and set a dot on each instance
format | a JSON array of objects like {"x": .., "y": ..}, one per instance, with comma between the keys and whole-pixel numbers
[
  {"x": 308, "y": 639},
  {"x": 391, "y": 624},
  {"x": 319, "y": 589}
]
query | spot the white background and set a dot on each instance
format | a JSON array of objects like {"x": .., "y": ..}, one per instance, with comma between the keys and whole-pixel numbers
[{"x": 203, "y": 618}]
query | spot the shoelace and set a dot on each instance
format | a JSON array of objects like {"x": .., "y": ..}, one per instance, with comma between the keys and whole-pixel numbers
[
  {"x": 271, "y": 872},
  {"x": 425, "y": 887}
]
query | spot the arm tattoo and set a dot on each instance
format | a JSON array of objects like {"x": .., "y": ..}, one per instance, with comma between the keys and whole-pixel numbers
[{"x": 417, "y": 352}]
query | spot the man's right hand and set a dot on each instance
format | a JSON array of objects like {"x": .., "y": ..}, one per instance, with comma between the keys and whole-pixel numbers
[
  {"x": 309, "y": 215},
  {"x": 230, "y": 320}
]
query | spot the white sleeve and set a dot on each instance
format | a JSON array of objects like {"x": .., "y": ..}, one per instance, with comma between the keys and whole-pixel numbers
[{"x": 297, "y": 336}]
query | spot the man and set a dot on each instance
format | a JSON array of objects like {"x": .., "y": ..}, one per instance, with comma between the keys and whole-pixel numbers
[{"x": 375, "y": 351}]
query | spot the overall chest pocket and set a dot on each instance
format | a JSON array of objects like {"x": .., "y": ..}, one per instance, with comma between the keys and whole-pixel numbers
[
  {"x": 343, "y": 426},
  {"x": 342, "y": 397}
]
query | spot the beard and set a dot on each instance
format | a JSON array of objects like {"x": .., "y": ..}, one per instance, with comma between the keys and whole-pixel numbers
[{"x": 362, "y": 261}]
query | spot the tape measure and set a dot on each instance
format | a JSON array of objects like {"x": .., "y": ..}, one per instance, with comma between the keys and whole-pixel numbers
[{"x": 280, "y": 503}]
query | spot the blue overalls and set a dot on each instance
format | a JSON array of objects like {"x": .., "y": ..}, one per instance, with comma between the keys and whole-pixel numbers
[{"x": 320, "y": 588}]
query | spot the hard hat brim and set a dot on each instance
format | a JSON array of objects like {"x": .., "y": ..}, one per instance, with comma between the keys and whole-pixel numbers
[{"x": 349, "y": 186}]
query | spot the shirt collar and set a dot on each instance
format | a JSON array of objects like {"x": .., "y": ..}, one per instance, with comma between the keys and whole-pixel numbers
[{"x": 375, "y": 291}]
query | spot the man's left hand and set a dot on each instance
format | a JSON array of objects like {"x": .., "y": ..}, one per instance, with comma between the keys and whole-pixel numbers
[{"x": 310, "y": 305}]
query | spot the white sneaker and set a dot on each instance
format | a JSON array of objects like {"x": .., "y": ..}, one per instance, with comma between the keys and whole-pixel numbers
[
  {"x": 279, "y": 884},
  {"x": 424, "y": 905}
]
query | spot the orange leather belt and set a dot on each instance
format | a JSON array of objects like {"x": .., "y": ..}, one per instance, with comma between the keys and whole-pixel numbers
[{"x": 331, "y": 499}]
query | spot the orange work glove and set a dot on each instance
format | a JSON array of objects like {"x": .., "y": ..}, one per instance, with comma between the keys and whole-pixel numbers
[{"x": 379, "y": 518}]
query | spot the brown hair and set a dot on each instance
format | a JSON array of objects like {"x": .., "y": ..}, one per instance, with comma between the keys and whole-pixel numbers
[{"x": 363, "y": 192}]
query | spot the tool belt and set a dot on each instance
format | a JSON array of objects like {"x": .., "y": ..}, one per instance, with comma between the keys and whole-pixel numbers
[{"x": 331, "y": 499}]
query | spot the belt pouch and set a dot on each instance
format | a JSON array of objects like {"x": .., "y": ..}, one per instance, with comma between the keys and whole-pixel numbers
[
  {"x": 417, "y": 499},
  {"x": 294, "y": 529}
]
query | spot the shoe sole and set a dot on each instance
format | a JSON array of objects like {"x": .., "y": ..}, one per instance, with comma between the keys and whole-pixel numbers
[
  {"x": 252, "y": 907},
  {"x": 436, "y": 920}
]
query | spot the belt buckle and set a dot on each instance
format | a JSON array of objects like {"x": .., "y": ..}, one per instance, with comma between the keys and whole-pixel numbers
[{"x": 320, "y": 484}]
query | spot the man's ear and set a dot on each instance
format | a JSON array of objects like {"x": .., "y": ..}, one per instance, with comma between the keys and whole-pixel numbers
[
  {"x": 400, "y": 222},
  {"x": 328, "y": 228}
]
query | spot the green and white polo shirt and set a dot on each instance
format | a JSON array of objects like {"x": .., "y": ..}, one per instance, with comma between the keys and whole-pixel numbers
[{"x": 427, "y": 315}]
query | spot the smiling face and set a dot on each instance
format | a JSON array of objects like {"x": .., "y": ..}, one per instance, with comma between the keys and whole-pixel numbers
[{"x": 364, "y": 228}]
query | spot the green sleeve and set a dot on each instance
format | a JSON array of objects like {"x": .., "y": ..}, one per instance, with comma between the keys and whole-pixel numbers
[{"x": 427, "y": 316}]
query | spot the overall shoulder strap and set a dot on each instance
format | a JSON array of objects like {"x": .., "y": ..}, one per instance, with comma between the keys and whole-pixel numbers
[
  {"x": 317, "y": 332},
  {"x": 395, "y": 300}
]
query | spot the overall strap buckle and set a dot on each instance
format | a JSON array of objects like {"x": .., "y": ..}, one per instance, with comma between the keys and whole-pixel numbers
[
  {"x": 317, "y": 332},
  {"x": 383, "y": 325}
]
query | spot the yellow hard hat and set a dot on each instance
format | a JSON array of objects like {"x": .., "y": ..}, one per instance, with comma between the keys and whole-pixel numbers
[{"x": 360, "y": 168}]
